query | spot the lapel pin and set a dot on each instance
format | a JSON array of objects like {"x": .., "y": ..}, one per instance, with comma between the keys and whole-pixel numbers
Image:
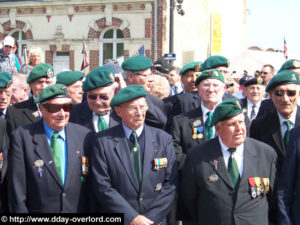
[
  {"x": 39, "y": 164},
  {"x": 158, "y": 187},
  {"x": 36, "y": 114}
]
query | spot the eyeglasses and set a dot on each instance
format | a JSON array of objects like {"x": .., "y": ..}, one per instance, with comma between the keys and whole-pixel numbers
[
  {"x": 94, "y": 97},
  {"x": 135, "y": 108},
  {"x": 143, "y": 75},
  {"x": 53, "y": 108},
  {"x": 290, "y": 93}
]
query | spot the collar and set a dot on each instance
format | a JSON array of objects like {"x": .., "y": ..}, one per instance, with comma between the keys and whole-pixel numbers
[
  {"x": 292, "y": 118},
  {"x": 49, "y": 132},
  {"x": 250, "y": 104},
  {"x": 239, "y": 149},
  {"x": 128, "y": 131}
]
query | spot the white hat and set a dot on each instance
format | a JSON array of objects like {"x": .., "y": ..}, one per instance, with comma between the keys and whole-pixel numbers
[{"x": 9, "y": 40}]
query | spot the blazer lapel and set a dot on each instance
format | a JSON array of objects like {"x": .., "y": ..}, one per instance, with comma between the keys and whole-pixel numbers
[
  {"x": 32, "y": 111},
  {"x": 275, "y": 129},
  {"x": 43, "y": 150},
  {"x": 198, "y": 115},
  {"x": 87, "y": 117}
]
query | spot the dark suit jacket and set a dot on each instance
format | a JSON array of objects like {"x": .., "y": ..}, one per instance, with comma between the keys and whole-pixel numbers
[
  {"x": 3, "y": 180},
  {"x": 211, "y": 202},
  {"x": 30, "y": 193},
  {"x": 21, "y": 114},
  {"x": 81, "y": 114},
  {"x": 156, "y": 114},
  {"x": 114, "y": 182},
  {"x": 265, "y": 108},
  {"x": 289, "y": 183},
  {"x": 244, "y": 105}
]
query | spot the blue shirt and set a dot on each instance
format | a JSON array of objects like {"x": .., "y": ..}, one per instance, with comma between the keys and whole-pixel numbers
[{"x": 62, "y": 145}]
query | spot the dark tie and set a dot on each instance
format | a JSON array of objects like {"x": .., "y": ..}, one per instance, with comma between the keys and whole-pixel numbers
[
  {"x": 175, "y": 90},
  {"x": 56, "y": 153},
  {"x": 208, "y": 129},
  {"x": 253, "y": 113},
  {"x": 287, "y": 133},
  {"x": 102, "y": 125},
  {"x": 135, "y": 155},
  {"x": 233, "y": 169}
]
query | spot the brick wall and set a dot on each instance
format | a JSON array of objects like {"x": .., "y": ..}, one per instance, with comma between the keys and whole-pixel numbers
[{"x": 94, "y": 59}]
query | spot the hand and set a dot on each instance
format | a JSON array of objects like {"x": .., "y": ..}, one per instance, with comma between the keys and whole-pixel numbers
[
  {"x": 121, "y": 82},
  {"x": 141, "y": 220}
]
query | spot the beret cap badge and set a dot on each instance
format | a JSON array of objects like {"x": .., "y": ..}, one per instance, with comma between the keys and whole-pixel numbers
[
  {"x": 296, "y": 64},
  {"x": 259, "y": 80},
  {"x": 197, "y": 67},
  {"x": 50, "y": 73}
]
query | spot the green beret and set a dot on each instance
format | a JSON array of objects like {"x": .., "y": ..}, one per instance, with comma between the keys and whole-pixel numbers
[
  {"x": 127, "y": 94},
  {"x": 283, "y": 77},
  {"x": 209, "y": 74},
  {"x": 226, "y": 110},
  {"x": 5, "y": 79},
  {"x": 191, "y": 66},
  {"x": 290, "y": 64},
  {"x": 137, "y": 63},
  {"x": 213, "y": 62},
  {"x": 40, "y": 70},
  {"x": 68, "y": 77},
  {"x": 51, "y": 92},
  {"x": 99, "y": 77},
  {"x": 254, "y": 80}
]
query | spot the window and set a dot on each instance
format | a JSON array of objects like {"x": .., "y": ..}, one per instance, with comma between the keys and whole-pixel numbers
[
  {"x": 111, "y": 45},
  {"x": 21, "y": 39}
]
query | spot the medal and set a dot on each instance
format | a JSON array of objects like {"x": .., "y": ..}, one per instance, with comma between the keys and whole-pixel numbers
[
  {"x": 213, "y": 178},
  {"x": 1, "y": 161},
  {"x": 194, "y": 136},
  {"x": 158, "y": 187},
  {"x": 196, "y": 123},
  {"x": 200, "y": 135},
  {"x": 84, "y": 167},
  {"x": 252, "y": 187},
  {"x": 257, "y": 183},
  {"x": 266, "y": 182},
  {"x": 160, "y": 163}
]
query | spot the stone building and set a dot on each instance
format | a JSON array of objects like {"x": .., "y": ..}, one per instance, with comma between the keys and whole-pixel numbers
[{"x": 116, "y": 29}]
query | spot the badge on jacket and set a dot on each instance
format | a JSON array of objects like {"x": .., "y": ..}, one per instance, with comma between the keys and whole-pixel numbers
[
  {"x": 160, "y": 163},
  {"x": 84, "y": 167},
  {"x": 39, "y": 164},
  {"x": 258, "y": 186}
]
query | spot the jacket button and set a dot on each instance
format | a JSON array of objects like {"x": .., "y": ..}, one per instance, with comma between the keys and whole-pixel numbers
[
  {"x": 64, "y": 194},
  {"x": 141, "y": 199}
]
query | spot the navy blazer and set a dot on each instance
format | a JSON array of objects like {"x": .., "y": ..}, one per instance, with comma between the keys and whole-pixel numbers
[
  {"x": 114, "y": 181},
  {"x": 31, "y": 193}
]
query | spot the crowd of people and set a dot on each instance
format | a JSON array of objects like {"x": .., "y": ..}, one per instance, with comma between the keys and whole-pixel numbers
[{"x": 161, "y": 144}]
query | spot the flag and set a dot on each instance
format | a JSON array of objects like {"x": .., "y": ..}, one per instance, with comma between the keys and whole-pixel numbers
[
  {"x": 25, "y": 55},
  {"x": 85, "y": 61},
  {"x": 285, "y": 50},
  {"x": 141, "y": 51}
]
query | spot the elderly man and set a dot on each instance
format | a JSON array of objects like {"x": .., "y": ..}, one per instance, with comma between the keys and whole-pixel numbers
[
  {"x": 73, "y": 80},
  {"x": 133, "y": 165},
  {"x": 20, "y": 89},
  {"x": 96, "y": 113},
  {"x": 226, "y": 180},
  {"x": 273, "y": 129},
  {"x": 48, "y": 164},
  {"x": 137, "y": 70},
  {"x": 7, "y": 56},
  {"x": 41, "y": 76},
  {"x": 5, "y": 92}
]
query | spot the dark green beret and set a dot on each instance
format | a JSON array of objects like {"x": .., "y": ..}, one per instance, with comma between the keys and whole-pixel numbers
[
  {"x": 209, "y": 74},
  {"x": 195, "y": 66},
  {"x": 283, "y": 77},
  {"x": 68, "y": 77},
  {"x": 51, "y": 92},
  {"x": 5, "y": 79},
  {"x": 254, "y": 80},
  {"x": 127, "y": 94},
  {"x": 226, "y": 110},
  {"x": 40, "y": 70},
  {"x": 137, "y": 63},
  {"x": 290, "y": 64},
  {"x": 99, "y": 77},
  {"x": 213, "y": 62}
]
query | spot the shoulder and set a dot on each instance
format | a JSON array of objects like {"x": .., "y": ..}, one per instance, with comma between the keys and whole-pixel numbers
[
  {"x": 189, "y": 115},
  {"x": 261, "y": 121},
  {"x": 20, "y": 105},
  {"x": 259, "y": 147}
]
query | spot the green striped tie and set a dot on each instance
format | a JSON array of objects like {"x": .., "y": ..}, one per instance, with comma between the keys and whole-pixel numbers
[
  {"x": 208, "y": 128},
  {"x": 135, "y": 155},
  {"x": 56, "y": 153},
  {"x": 102, "y": 125},
  {"x": 287, "y": 133}
]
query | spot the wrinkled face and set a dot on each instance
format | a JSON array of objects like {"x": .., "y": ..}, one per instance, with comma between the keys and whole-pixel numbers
[
  {"x": 99, "y": 99},
  {"x": 75, "y": 92},
  {"x": 255, "y": 93},
  {"x": 211, "y": 91},
  {"x": 19, "y": 94},
  {"x": 143, "y": 78},
  {"x": 35, "y": 59},
  {"x": 56, "y": 112},
  {"x": 133, "y": 113},
  {"x": 285, "y": 98},
  {"x": 7, "y": 49},
  {"x": 266, "y": 74},
  {"x": 188, "y": 80},
  {"x": 232, "y": 131},
  {"x": 174, "y": 77},
  {"x": 39, "y": 84},
  {"x": 5, "y": 96}
]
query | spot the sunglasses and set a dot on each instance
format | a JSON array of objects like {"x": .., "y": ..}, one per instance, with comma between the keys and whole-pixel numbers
[
  {"x": 290, "y": 93},
  {"x": 264, "y": 73},
  {"x": 53, "y": 108},
  {"x": 94, "y": 97}
]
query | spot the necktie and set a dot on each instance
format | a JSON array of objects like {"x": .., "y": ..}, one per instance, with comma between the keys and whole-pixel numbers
[
  {"x": 175, "y": 90},
  {"x": 253, "y": 113},
  {"x": 56, "y": 153},
  {"x": 208, "y": 129},
  {"x": 233, "y": 169},
  {"x": 287, "y": 133},
  {"x": 135, "y": 155},
  {"x": 102, "y": 125}
]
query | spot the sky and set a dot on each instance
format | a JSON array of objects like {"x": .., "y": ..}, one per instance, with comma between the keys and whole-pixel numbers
[{"x": 269, "y": 21}]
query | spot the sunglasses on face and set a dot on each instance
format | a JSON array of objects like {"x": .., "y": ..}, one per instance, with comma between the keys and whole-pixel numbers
[
  {"x": 264, "y": 72},
  {"x": 53, "y": 108},
  {"x": 290, "y": 93},
  {"x": 94, "y": 97}
]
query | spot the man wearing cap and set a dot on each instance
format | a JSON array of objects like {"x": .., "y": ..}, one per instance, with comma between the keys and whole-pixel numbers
[
  {"x": 5, "y": 92},
  {"x": 137, "y": 70},
  {"x": 217, "y": 62},
  {"x": 242, "y": 93},
  {"x": 133, "y": 165},
  {"x": 41, "y": 76},
  {"x": 226, "y": 180},
  {"x": 7, "y": 56},
  {"x": 273, "y": 129},
  {"x": 96, "y": 113},
  {"x": 73, "y": 80},
  {"x": 48, "y": 164}
]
